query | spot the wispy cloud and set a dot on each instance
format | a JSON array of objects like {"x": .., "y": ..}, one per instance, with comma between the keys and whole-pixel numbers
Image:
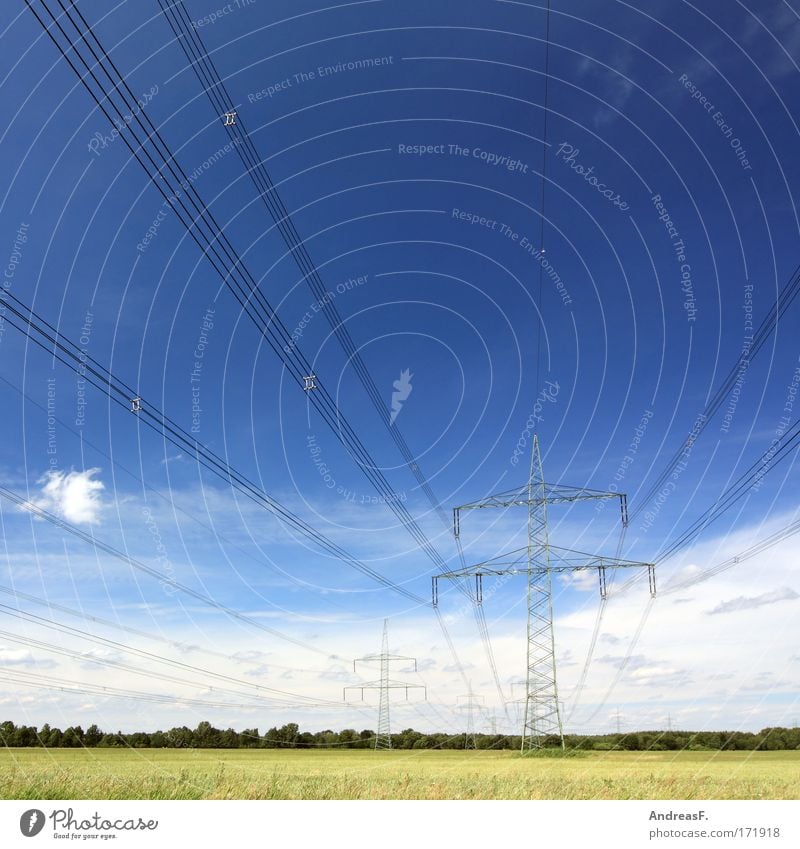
[
  {"x": 615, "y": 86},
  {"x": 171, "y": 458},
  {"x": 749, "y": 602},
  {"x": 773, "y": 29}
]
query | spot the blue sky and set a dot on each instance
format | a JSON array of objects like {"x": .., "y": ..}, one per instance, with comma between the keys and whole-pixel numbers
[{"x": 686, "y": 116}]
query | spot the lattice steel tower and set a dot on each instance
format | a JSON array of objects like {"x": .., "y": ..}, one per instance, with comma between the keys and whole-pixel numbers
[
  {"x": 383, "y": 739},
  {"x": 471, "y": 703},
  {"x": 539, "y": 560}
]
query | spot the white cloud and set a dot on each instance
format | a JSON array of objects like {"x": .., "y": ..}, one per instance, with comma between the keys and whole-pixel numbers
[
  {"x": 21, "y": 657},
  {"x": 15, "y": 657},
  {"x": 585, "y": 580},
  {"x": 75, "y": 496},
  {"x": 749, "y": 602}
]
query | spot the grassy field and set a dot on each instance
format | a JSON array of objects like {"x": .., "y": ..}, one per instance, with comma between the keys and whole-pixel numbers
[{"x": 353, "y": 774}]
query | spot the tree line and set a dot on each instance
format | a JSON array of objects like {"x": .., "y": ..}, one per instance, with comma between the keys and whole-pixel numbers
[{"x": 205, "y": 736}]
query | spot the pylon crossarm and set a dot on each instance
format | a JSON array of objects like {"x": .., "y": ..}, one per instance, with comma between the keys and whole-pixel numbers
[
  {"x": 553, "y": 493},
  {"x": 376, "y": 658},
  {"x": 560, "y": 560},
  {"x": 392, "y": 685},
  {"x": 546, "y": 493},
  {"x": 567, "y": 556}
]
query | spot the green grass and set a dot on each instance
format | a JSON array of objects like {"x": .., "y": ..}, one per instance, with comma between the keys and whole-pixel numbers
[{"x": 353, "y": 774}]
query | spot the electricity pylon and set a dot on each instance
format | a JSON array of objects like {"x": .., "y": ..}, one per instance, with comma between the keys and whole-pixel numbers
[
  {"x": 383, "y": 739},
  {"x": 469, "y": 706},
  {"x": 539, "y": 560}
]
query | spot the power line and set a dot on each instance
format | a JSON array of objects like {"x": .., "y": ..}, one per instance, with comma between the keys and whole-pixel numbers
[
  {"x": 768, "y": 325},
  {"x": 768, "y": 542},
  {"x": 19, "y": 595},
  {"x": 544, "y": 183},
  {"x": 65, "y": 685},
  {"x": 162, "y": 577},
  {"x": 733, "y": 493},
  {"x": 173, "y": 184},
  {"x": 34, "y": 327},
  {"x": 149, "y": 656},
  {"x": 218, "y": 535},
  {"x": 778, "y": 452},
  {"x": 207, "y": 74},
  {"x": 104, "y": 661},
  {"x": 756, "y": 472},
  {"x": 730, "y": 496},
  {"x": 210, "y": 80}
]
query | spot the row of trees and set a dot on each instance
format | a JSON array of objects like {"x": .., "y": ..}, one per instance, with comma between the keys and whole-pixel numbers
[{"x": 205, "y": 736}]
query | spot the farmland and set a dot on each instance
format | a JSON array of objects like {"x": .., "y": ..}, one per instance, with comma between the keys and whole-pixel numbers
[{"x": 358, "y": 774}]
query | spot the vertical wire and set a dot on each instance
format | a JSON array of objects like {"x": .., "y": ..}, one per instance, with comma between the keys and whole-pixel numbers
[{"x": 542, "y": 196}]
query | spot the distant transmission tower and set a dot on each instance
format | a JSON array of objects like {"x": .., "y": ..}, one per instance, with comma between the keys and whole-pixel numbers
[
  {"x": 539, "y": 560},
  {"x": 470, "y": 705},
  {"x": 383, "y": 739}
]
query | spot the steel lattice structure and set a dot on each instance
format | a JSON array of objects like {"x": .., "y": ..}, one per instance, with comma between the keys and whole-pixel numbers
[
  {"x": 383, "y": 739},
  {"x": 539, "y": 560},
  {"x": 471, "y": 704}
]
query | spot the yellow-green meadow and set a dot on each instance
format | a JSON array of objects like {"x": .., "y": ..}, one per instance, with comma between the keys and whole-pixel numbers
[{"x": 109, "y": 773}]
